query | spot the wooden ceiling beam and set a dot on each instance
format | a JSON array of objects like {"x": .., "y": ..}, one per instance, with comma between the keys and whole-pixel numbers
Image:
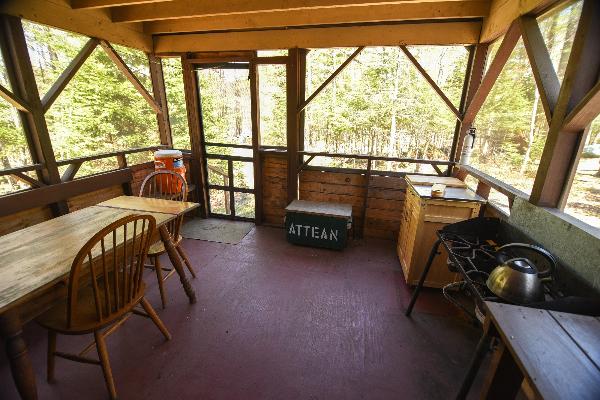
[
  {"x": 193, "y": 8},
  {"x": 327, "y": 16},
  {"x": 446, "y": 33},
  {"x": 503, "y": 12},
  {"x": 91, "y": 23},
  {"x": 79, "y": 4}
]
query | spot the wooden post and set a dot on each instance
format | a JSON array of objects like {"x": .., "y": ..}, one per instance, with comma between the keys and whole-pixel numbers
[
  {"x": 22, "y": 80},
  {"x": 560, "y": 151},
  {"x": 257, "y": 162},
  {"x": 473, "y": 77},
  {"x": 198, "y": 163},
  {"x": 160, "y": 96},
  {"x": 292, "y": 80},
  {"x": 301, "y": 98}
]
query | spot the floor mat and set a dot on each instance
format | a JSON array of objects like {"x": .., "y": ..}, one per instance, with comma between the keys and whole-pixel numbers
[{"x": 216, "y": 230}]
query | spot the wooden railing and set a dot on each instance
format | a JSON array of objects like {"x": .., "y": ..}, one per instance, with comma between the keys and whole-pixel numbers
[
  {"x": 370, "y": 159},
  {"x": 487, "y": 182},
  {"x": 73, "y": 165}
]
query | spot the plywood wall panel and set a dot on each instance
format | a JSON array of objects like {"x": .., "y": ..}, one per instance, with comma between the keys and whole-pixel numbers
[{"x": 24, "y": 219}]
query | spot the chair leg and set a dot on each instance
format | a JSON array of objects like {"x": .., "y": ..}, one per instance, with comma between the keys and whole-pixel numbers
[
  {"x": 51, "y": 357},
  {"x": 159, "y": 277},
  {"x": 186, "y": 260},
  {"x": 104, "y": 362},
  {"x": 154, "y": 317}
]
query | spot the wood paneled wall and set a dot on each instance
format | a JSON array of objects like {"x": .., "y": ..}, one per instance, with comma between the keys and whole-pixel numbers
[
  {"x": 384, "y": 205},
  {"x": 274, "y": 188}
]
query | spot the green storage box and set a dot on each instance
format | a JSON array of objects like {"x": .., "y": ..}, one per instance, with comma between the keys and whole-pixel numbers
[{"x": 318, "y": 224}]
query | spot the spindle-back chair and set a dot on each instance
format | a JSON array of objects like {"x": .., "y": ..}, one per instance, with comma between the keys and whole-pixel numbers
[
  {"x": 105, "y": 284},
  {"x": 167, "y": 185}
]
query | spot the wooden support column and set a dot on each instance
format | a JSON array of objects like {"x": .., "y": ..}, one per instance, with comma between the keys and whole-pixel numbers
[
  {"x": 257, "y": 162},
  {"x": 581, "y": 75},
  {"x": 198, "y": 171},
  {"x": 22, "y": 80},
  {"x": 292, "y": 88},
  {"x": 160, "y": 96},
  {"x": 301, "y": 97},
  {"x": 473, "y": 77}
]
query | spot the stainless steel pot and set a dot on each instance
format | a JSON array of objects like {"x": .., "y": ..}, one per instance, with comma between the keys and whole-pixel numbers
[{"x": 517, "y": 280}]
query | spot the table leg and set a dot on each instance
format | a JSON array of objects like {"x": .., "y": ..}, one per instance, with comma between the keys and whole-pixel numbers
[
  {"x": 482, "y": 348},
  {"x": 176, "y": 261},
  {"x": 504, "y": 378},
  {"x": 11, "y": 331}
]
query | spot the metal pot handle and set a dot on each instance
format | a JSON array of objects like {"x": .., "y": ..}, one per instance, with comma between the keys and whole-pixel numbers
[{"x": 545, "y": 253}]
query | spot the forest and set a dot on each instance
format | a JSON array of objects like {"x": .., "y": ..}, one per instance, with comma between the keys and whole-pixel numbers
[{"x": 379, "y": 105}]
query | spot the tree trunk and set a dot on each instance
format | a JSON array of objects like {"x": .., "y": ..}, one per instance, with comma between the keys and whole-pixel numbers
[{"x": 531, "y": 133}]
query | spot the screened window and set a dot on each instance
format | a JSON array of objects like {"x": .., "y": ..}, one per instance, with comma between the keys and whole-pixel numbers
[
  {"x": 173, "y": 76},
  {"x": 272, "y": 98},
  {"x": 99, "y": 110},
  {"x": 584, "y": 197},
  {"x": 511, "y": 125},
  {"x": 13, "y": 145},
  {"x": 225, "y": 98},
  {"x": 381, "y": 105}
]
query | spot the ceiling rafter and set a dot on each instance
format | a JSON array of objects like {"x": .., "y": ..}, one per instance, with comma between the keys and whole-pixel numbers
[
  {"x": 78, "y": 4},
  {"x": 329, "y": 16},
  {"x": 432, "y": 33},
  {"x": 194, "y": 8}
]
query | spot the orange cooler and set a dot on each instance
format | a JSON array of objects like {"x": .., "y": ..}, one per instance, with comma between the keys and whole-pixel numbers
[{"x": 171, "y": 160}]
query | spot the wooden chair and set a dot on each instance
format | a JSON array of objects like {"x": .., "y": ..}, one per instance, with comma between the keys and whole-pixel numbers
[
  {"x": 166, "y": 185},
  {"x": 105, "y": 284}
]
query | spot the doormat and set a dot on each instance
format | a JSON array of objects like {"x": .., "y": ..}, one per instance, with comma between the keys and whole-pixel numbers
[{"x": 216, "y": 230}]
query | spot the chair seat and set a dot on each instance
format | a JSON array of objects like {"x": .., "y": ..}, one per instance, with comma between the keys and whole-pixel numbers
[
  {"x": 86, "y": 320},
  {"x": 158, "y": 247}
]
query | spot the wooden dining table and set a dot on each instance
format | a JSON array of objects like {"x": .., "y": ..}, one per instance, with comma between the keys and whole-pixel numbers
[{"x": 37, "y": 260}]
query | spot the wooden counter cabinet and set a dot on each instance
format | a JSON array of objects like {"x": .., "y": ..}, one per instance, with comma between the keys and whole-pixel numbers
[{"x": 423, "y": 215}]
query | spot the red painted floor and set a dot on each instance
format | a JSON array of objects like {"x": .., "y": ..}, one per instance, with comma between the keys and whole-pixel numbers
[{"x": 276, "y": 321}]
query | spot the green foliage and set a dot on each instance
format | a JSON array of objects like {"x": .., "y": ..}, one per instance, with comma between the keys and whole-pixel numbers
[{"x": 173, "y": 77}]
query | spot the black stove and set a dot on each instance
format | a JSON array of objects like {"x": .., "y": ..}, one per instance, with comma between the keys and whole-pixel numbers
[{"x": 472, "y": 253}]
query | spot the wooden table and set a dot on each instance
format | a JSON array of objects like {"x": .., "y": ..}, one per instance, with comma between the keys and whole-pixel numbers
[
  {"x": 36, "y": 259},
  {"x": 558, "y": 354}
]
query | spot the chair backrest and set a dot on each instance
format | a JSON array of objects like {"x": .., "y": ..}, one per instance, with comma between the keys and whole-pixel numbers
[
  {"x": 164, "y": 184},
  {"x": 167, "y": 185},
  {"x": 114, "y": 258}
]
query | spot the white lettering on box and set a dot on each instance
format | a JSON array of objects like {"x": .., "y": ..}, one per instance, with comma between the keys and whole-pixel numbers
[
  {"x": 333, "y": 235},
  {"x": 324, "y": 234},
  {"x": 292, "y": 230}
]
